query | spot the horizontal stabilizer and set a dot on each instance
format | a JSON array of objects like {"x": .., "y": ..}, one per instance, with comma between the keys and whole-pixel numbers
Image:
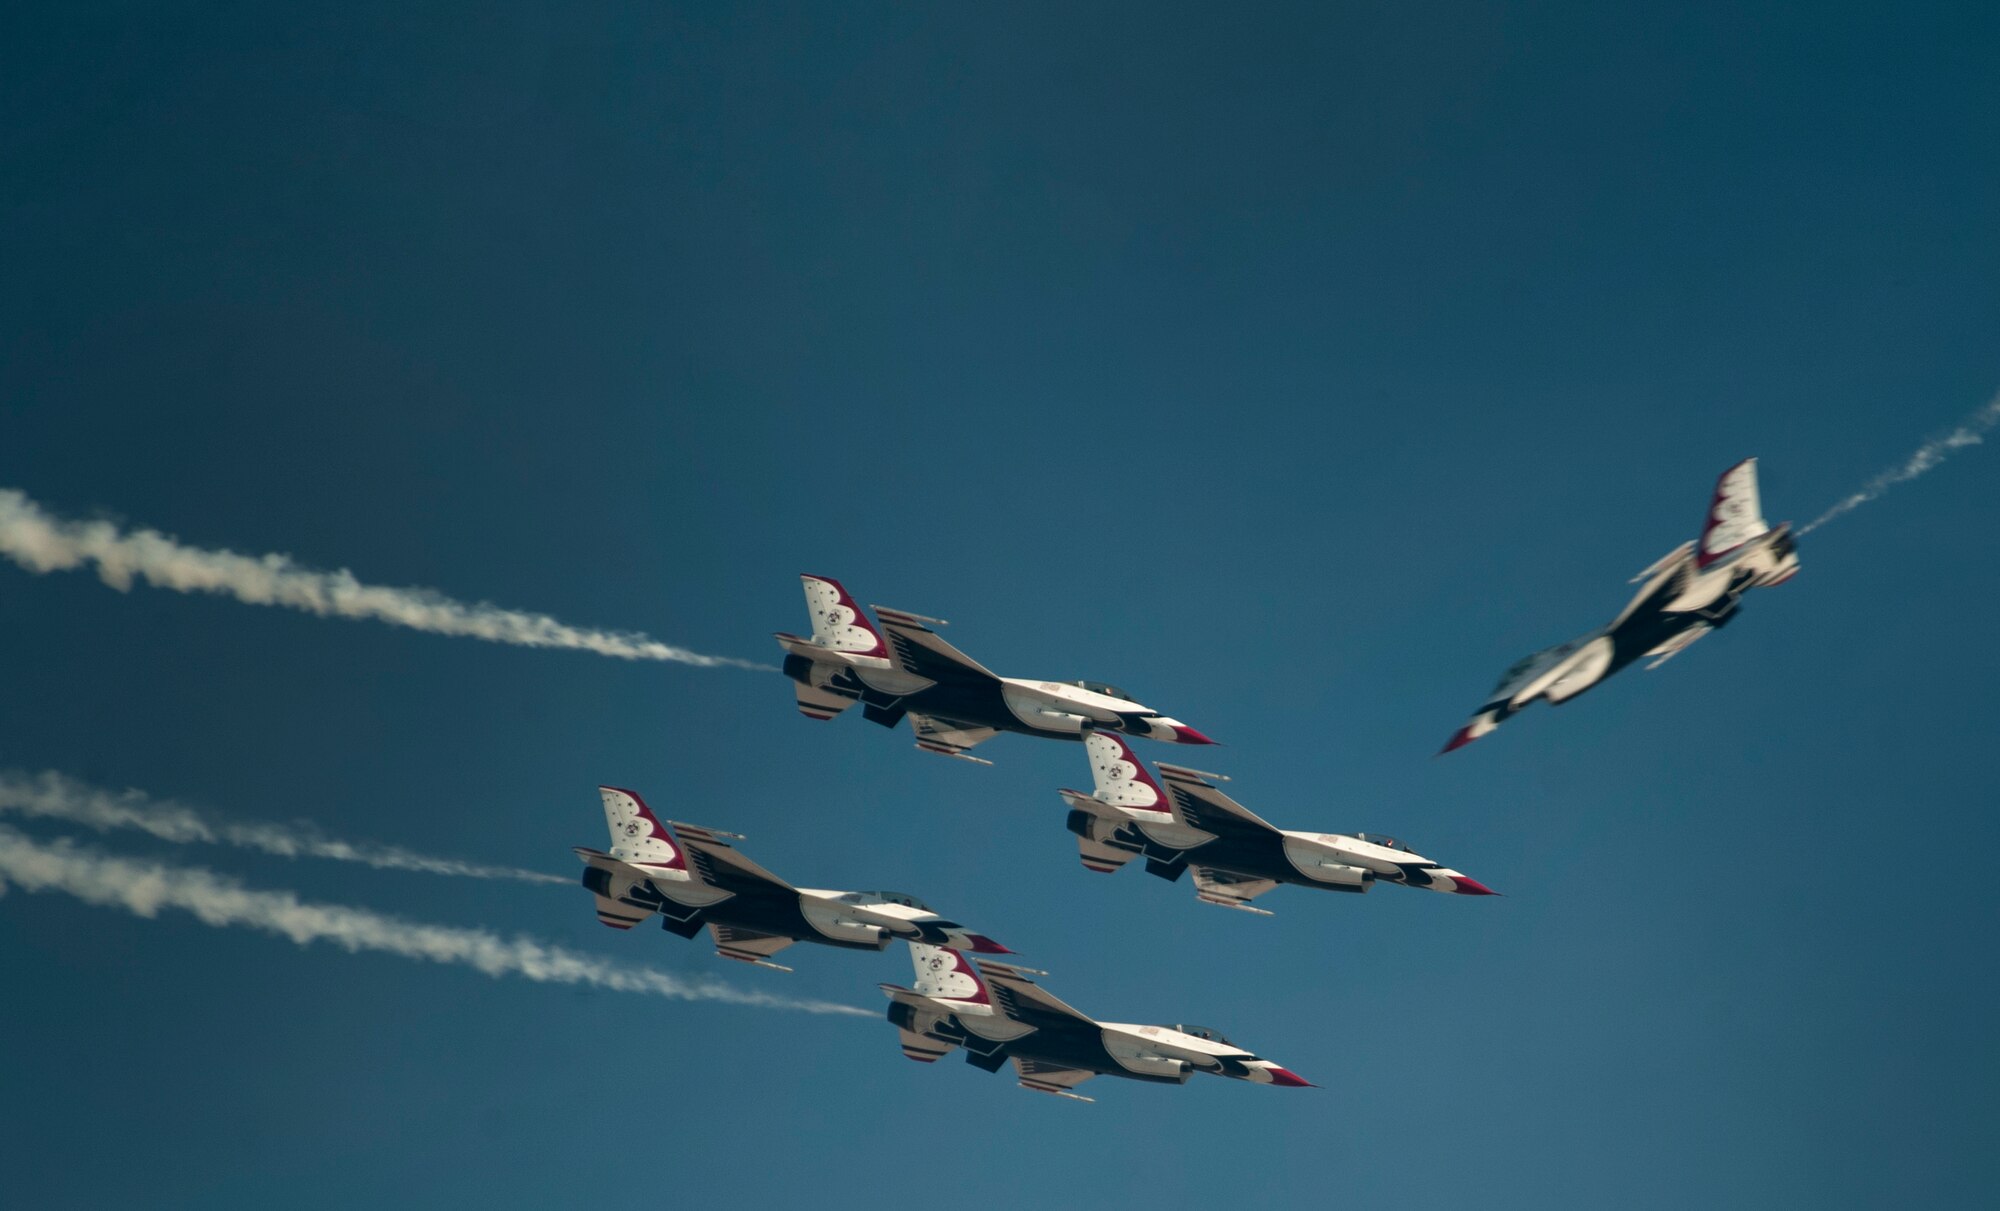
[{"x": 821, "y": 702}]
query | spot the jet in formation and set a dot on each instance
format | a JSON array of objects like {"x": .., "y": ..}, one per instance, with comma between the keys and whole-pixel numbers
[
  {"x": 1694, "y": 589},
  {"x": 953, "y": 702},
  {"x": 1235, "y": 855},
  {"x": 996, "y": 1013},
  {"x": 692, "y": 877}
]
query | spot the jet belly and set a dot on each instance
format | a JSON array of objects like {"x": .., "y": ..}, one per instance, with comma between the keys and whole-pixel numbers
[
  {"x": 1049, "y": 706},
  {"x": 1160, "y": 1052},
  {"x": 1576, "y": 673},
  {"x": 1703, "y": 589},
  {"x": 837, "y": 927},
  {"x": 1324, "y": 865},
  {"x": 785, "y": 916},
  {"x": 1351, "y": 852}
]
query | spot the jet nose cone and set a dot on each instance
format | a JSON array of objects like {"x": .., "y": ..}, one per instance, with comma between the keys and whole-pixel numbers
[
  {"x": 1459, "y": 739},
  {"x": 1183, "y": 734},
  {"x": 1286, "y": 1077},
  {"x": 981, "y": 944},
  {"x": 1471, "y": 887}
]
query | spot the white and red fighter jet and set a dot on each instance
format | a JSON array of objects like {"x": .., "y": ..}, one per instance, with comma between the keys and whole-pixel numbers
[
  {"x": 693, "y": 878},
  {"x": 1694, "y": 589},
  {"x": 996, "y": 1013},
  {"x": 953, "y": 702},
  {"x": 1235, "y": 855}
]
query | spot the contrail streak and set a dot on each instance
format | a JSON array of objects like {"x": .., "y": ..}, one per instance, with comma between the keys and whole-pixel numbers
[
  {"x": 1971, "y": 432},
  {"x": 41, "y": 542},
  {"x": 144, "y": 888},
  {"x": 52, "y": 796}
]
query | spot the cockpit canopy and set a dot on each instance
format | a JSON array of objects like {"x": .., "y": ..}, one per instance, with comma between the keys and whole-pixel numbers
[
  {"x": 1102, "y": 687},
  {"x": 886, "y": 897},
  {"x": 1381, "y": 839},
  {"x": 1521, "y": 667},
  {"x": 1203, "y": 1032}
]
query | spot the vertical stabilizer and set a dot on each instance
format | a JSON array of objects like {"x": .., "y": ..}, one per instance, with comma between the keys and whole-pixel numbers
[
  {"x": 1735, "y": 515},
  {"x": 947, "y": 975},
  {"x": 638, "y": 837},
  {"x": 1121, "y": 778},
  {"x": 838, "y": 623}
]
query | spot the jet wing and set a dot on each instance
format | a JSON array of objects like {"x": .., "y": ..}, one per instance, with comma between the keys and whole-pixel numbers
[
  {"x": 721, "y": 866},
  {"x": 1212, "y": 886},
  {"x": 1665, "y": 581},
  {"x": 1024, "y": 1001},
  {"x": 921, "y": 652},
  {"x": 746, "y": 945},
  {"x": 949, "y": 737},
  {"x": 1052, "y": 1078},
  {"x": 1199, "y": 804}
]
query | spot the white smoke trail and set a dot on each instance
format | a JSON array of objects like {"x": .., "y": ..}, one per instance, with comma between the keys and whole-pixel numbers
[
  {"x": 144, "y": 888},
  {"x": 1971, "y": 432},
  {"x": 40, "y": 542},
  {"x": 52, "y": 796}
]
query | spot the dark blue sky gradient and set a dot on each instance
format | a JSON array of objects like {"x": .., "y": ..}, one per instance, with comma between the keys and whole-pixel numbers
[{"x": 1296, "y": 370}]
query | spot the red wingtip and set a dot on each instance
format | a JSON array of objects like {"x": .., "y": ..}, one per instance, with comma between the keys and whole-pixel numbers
[
  {"x": 1459, "y": 739},
  {"x": 1288, "y": 1078},
  {"x": 982, "y": 944},
  {"x": 1183, "y": 734},
  {"x": 1471, "y": 887}
]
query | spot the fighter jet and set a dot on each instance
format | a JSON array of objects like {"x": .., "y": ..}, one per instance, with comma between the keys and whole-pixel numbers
[
  {"x": 952, "y": 700},
  {"x": 692, "y": 877},
  {"x": 997, "y": 1014},
  {"x": 1694, "y": 589},
  {"x": 1235, "y": 855}
]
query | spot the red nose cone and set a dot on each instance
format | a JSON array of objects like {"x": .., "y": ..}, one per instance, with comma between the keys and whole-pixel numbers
[
  {"x": 1471, "y": 887},
  {"x": 1183, "y": 734},
  {"x": 1286, "y": 1077},
  {"x": 1459, "y": 739},
  {"x": 981, "y": 944}
]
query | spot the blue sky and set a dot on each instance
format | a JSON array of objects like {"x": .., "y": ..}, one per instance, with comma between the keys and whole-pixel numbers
[{"x": 1296, "y": 370}]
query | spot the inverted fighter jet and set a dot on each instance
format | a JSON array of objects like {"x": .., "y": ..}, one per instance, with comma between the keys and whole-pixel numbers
[
  {"x": 997, "y": 1014},
  {"x": 1234, "y": 854},
  {"x": 692, "y": 877},
  {"x": 1694, "y": 589},
  {"x": 953, "y": 702}
]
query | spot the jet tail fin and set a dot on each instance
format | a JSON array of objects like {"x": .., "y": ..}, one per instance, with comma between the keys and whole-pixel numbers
[
  {"x": 1120, "y": 778},
  {"x": 944, "y": 974},
  {"x": 638, "y": 837},
  {"x": 1735, "y": 514},
  {"x": 837, "y": 622}
]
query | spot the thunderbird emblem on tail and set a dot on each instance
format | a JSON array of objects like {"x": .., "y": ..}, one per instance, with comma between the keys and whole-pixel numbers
[
  {"x": 996, "y": 1013},
  {"x": 1691, "y": 591},
  {"x": 692, "y": 877},
  {"x": 953, "y": 702}
]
